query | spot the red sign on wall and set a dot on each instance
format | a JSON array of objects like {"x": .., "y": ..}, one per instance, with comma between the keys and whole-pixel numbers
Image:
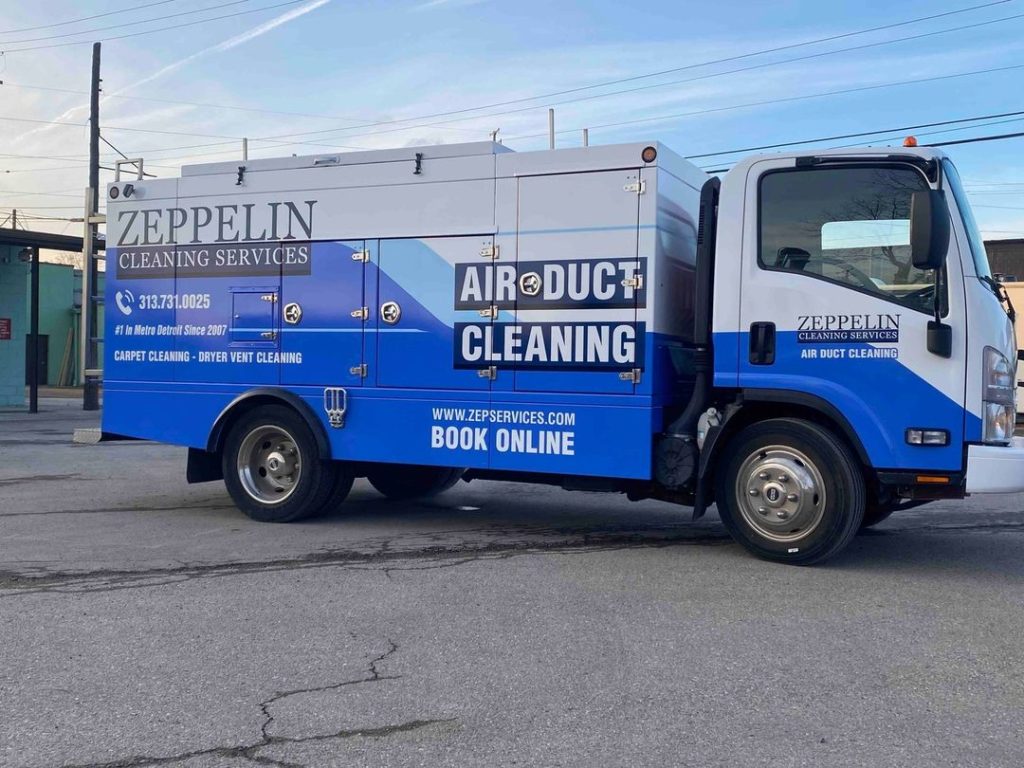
[{"x": 5, "y": 329}]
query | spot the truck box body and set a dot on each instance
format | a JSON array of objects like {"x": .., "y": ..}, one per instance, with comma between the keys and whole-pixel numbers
[{"x": 467, "y": 305}]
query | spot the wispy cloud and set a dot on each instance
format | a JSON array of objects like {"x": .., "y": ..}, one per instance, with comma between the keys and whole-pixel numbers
[
  {"x": 436, "y": 4},
  {"x": 174, "y": 66}
]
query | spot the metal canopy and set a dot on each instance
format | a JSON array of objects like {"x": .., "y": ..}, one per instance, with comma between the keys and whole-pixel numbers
[{"x": 21, "y": 238}]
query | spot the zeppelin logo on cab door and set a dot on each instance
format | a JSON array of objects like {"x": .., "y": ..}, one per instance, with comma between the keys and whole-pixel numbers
[{"x": 848, "y": 329}]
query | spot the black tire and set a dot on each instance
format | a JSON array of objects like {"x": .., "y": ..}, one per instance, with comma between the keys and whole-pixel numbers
[
  {"x": 771, "y": 463},
  {"x": 269, "y": 434},
  {"x": 875, "y": 513},
  {"x": 405, "y": 481},
  {"x": 342, "y": 486}
]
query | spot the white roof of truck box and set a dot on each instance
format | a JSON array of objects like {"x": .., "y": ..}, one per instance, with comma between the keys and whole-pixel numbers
[
  {"x": 368, "y": 157},
  {"x": 508, "y": 163}
]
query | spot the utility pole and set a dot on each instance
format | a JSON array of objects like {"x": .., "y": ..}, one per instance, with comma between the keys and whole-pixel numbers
[
  {"x": 551, "y": 128},
  {"x": 90, "y": 271},
  {"x": 33, "y": 374},
  {"x": 14, "y": 219}
]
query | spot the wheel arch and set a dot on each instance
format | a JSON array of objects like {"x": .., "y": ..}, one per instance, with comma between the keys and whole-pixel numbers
[
  {"x": 755, "y": 405},
  {"x": 259, "y": 396}
]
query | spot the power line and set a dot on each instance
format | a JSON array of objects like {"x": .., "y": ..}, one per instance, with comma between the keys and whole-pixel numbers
[
  {"x": 159, "y": 29},
  {"x": 977, "y": 139},
  {"x": 19, "y": 192},
  {"x": 854, "y": 135},
  {"x": 784, "y": 99},
  {"x": 378, "y": 123},
  {"x": 124, "y": 24},
  {"x": 86, "y": 18},
  {"x": 695, "y": 65},
  {"x": 204, "y": 105},
  {"x": 116, "y": 128},
  {"x": 638, "y": 88},
  {"x": 605, "y": 83}
]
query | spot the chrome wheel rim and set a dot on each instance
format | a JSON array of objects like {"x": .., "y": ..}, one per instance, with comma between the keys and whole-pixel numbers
[
  {"x": 780, "y": 493},
  {"x": 269, "y": 464}
]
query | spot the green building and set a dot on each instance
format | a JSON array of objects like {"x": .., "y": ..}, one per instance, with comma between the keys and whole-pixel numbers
[{"x": 60, "y": 309}]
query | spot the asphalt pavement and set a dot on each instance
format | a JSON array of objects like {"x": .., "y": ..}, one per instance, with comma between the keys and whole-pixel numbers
[{"x": 146, "y": 622}]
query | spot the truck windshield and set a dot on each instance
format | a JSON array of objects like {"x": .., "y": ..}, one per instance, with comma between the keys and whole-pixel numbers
[{"x": 978, "y": 252}]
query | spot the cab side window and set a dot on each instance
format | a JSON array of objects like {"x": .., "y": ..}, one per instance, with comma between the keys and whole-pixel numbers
[{"x": 847, "y": 225}]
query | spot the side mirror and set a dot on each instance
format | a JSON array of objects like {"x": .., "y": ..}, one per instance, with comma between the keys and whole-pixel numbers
[{"x": 929, "y": 229}]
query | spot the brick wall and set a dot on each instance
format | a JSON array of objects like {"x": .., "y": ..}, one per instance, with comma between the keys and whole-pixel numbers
[{"x": 13, "y": 305}]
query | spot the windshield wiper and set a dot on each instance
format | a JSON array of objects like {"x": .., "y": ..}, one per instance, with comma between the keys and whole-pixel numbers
[{"x": 1001, "y": 293}]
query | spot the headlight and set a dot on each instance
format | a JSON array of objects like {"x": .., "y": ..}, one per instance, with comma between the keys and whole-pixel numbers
[
  {"x": 999, "y": 422},
  {"x": 998, "y": 391}
]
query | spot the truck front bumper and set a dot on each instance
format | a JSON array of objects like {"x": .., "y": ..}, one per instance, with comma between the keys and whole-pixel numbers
[{"x": 996, "y": 468}]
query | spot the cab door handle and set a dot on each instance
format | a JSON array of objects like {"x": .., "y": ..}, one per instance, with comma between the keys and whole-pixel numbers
[{"x": 762, "y": 343}]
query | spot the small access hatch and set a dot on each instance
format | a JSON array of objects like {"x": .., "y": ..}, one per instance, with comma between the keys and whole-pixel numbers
[{"x": 254, "y": 317}]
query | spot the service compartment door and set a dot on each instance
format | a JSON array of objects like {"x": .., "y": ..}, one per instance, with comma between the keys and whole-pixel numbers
[
  {"x": 424, "y": 341},
  {"x": 578, "y": 279},
  {"x": 322, "y": 316},
  {"x": 833, "y": 308},
  {"x": 254, "y": 317},
  {"x": 229, "y": 329}
]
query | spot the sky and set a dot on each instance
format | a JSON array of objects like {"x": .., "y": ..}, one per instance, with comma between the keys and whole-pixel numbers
[{"x": 313, "y": 76}]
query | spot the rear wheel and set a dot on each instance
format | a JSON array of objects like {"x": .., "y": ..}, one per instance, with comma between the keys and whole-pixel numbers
[
  {"x": 790, "y": 491},
  {"x": 272, "y": 467},
  {"x": 411, "y": 482}
]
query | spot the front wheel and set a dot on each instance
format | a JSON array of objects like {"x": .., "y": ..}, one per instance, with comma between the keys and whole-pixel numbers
[
  {"x": 273, "y": 470},
  {"x": 788, "y": 490}
]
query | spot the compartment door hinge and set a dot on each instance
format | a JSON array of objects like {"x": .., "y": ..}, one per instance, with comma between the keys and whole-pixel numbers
[
  {"x": 637, "y": 282},
  {"x": 271, "y": 297},
  {"x": 491, "y": 311},
  {"x": 632, "y": 375},
  {"x": 363, "y": 256},
  {"x": 636, "y": 187},
  {"x": 490, "y": 251},
  {"x": 490, "y": 372},
  {"x": 358, "y": 370},
  {"x": 363, "y": 313}
]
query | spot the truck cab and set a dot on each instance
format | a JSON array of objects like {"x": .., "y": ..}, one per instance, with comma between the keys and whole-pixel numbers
[{"x": 852, "y": 293}]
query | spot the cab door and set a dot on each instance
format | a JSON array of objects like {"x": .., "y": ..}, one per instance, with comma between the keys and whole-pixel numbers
[{"x": 833, "y": 312}]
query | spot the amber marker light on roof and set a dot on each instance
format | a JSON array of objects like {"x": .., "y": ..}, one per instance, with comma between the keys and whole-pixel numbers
[{"x": 910, "y": 141}]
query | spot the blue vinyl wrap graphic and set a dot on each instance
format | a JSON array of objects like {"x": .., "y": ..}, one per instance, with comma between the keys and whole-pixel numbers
[
  {"x": 879, "y": 397},
  {"x": 413, "y": 406}
]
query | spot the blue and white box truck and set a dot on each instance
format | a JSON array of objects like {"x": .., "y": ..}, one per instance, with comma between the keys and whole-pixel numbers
[{"x": 811, "y": 342}]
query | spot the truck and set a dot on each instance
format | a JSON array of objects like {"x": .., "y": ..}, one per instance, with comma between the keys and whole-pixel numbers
[{"x": 809, "y": 343}]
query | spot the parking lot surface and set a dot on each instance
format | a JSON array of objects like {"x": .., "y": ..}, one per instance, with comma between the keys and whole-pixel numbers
[{"x": 147, "y": 622}]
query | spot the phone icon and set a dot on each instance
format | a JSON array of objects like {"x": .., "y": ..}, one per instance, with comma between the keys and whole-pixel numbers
[{"x": 124, "y": 301}]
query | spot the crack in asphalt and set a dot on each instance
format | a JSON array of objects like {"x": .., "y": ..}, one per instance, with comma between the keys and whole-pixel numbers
[
  {"x": 251, "y": 752},
  {"x": 106, "y": 580},
  {"x": 388, "y": 561},
  {"x": 35, "y": 478},
  {"x": 202, "y": 506}
]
